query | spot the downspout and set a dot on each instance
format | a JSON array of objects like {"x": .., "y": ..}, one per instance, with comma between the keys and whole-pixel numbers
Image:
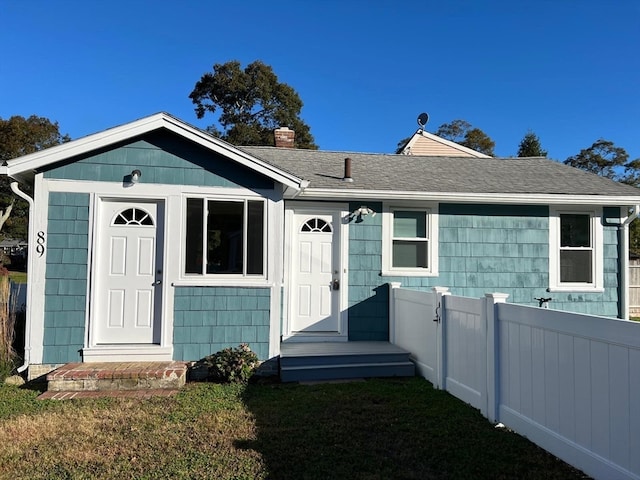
[
  {"x": 27, "y": 326},
  {"x": 624, "y": 264}
]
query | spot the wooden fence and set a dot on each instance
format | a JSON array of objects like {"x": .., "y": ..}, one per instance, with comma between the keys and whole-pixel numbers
[
  {"x": 634, "y": 290},
  {"x": 568, "y": 382}
]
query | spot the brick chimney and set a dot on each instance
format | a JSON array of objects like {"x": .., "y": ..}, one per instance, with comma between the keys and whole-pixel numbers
[{"x": 284, "y": 137}]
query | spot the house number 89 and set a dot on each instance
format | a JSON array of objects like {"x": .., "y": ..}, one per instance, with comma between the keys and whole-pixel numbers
[{"x": 40, "y": 243}]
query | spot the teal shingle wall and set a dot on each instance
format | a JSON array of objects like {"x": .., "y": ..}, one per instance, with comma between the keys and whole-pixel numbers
[
  {"x": 67, "y": 243},
  {"x": 482, "y": 249},
  {"x": 208, "y": 319},
  {"x": 163, "y": 158}
]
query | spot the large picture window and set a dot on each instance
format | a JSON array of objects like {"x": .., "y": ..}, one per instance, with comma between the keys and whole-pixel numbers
[
  {"x": 410, "y": 244},
  {"x": 575, "y": 252},
  {"x": 225, "y": 237}
]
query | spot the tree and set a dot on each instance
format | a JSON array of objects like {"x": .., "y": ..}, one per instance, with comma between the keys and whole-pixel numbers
[
  {"x": 463, "y": 133},
  {"x": 602, "y": 158},
  {"x": 605, "y": 159},
  {"x": 530, "y": 146},
  {"x": 21, "y": 136},
  {"x": 252, "y": 104}
]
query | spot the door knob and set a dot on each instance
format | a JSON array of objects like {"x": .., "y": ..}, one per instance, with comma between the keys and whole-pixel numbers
[
  {"x": 335, "y": 285},
  {"x": 157, "y": 282}
]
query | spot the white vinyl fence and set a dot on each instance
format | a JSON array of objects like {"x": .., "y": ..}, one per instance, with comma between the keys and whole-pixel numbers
[{"x": 568, "y": 382}]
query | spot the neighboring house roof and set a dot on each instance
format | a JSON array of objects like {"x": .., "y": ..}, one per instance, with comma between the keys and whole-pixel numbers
[
  {"x": 496, "y": 180},
  {"x": 24, "y": 167},
  {"x": 423, "y": 143}
]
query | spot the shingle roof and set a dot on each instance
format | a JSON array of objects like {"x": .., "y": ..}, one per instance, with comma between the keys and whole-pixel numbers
[{"x": 408, "y": 173}]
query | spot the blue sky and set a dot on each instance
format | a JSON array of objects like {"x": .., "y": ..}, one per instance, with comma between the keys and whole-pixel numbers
[{"x": 569, "y": 70}]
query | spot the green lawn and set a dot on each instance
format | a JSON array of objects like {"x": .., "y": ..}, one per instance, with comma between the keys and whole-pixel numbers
[
  {"x": 376, "y": 429},
  {"x": 18, "y": 277}
]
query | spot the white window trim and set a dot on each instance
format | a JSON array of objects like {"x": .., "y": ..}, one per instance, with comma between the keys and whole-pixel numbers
[
  {"x": 597, "y": 236},
  {"x": 431, "y": 211},
  {"x": 194, "y": 279}
]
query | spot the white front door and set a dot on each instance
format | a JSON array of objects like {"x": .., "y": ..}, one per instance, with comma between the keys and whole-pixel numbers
[
  {"x": 129, "y": 273},
  {"x": 317, "y": 275}
]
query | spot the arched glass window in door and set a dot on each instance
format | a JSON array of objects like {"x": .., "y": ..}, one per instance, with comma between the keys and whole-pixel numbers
[
  {"x": 133, "y": 216},
  {"x": 314, "y": 225}
]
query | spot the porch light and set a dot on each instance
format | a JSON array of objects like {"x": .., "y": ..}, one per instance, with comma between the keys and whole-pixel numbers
[{"x": 135, "y": 176}]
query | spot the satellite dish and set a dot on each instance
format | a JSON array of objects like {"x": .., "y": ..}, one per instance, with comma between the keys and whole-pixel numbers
[{"x": 423, "y": 118}]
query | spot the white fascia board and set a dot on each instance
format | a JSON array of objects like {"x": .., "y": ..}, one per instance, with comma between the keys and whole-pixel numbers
[
  {"x": 114, "y": 135},
  {"x": 453, "y": 197}
]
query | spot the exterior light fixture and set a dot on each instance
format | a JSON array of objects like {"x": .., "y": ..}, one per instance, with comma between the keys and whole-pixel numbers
[{"x": 135, "y": 176}]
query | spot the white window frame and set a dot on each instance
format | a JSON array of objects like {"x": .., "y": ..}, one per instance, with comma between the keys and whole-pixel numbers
[
  {"x": 597, "y": 274},
  {"x": 224, "y": 278},
  {"x": 431, "y": 212}
]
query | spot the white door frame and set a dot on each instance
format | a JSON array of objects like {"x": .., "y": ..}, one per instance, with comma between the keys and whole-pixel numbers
[
  {"x": 311, "y": 208},
  {"x": 157, "y": 350}
]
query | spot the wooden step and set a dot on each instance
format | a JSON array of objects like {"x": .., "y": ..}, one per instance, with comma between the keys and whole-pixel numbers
[
  {"x": 113, "y": 376},
  {"x": 343, "y": 360}
]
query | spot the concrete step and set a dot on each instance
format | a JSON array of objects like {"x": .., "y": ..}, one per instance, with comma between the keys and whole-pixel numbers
[{"x": 112, "y": 376}]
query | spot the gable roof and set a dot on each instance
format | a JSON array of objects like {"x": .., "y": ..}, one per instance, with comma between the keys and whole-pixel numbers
[
  {"x": 23, "y": 168},
  {"x": 423, "y": 143},
  {"x": 459, "y": 179}
]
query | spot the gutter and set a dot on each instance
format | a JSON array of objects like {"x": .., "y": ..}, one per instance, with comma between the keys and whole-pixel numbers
[
  {"x": 27, "y": 326},
  {"x": 623, "y": 228}
]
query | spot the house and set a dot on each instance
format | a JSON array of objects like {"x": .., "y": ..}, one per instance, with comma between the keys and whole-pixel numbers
[
  {"x": 423, "y": 143},
  {"x": 156, "y": 241}
]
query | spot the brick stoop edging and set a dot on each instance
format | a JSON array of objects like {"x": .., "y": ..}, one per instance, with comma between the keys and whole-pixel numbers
[{"x": 113, "y": 376}]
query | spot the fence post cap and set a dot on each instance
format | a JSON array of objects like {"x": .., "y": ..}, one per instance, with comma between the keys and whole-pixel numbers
[
  {"x": 441, "y": 290},
  {"x": 395, "y": 284},
  {"x": 497, "y": 297}
]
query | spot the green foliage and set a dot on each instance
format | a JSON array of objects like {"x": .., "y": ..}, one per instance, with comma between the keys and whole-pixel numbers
[
  {"x": 232, "y": 365},
  {"x": 252, "y": 104},
  {"x": 20, "y": 136},
  {"x": 463, "y": 133},
  {"x": 602, "y": 158},
  {"x": 530, "y": 146}
]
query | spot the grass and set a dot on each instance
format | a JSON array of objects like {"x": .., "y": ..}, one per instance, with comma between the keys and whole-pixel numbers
[
  {"x": 18, "y": 277},
  {"x": 378, "y": 429}
]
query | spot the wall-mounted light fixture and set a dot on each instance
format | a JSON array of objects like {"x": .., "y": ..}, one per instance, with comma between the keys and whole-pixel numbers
[
  {"x": 361, "y": 212},
  {"x": 135, "y": 176}
]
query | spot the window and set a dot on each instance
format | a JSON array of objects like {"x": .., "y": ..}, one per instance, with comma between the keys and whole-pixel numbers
[
  {"x": 225, "y": 237},
  {"x": 575, "y": 256},
  {"x": 133, "y": 216},
  {"x": 409, "y": 247}
]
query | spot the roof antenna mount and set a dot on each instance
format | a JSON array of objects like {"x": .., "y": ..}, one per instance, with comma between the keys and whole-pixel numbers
[{"x": 423, "y": 118}]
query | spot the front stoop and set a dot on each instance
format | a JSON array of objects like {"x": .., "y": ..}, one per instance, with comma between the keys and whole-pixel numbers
[
  {"x": 110, "y": 378},
  {"x": 343, "y": 360}
]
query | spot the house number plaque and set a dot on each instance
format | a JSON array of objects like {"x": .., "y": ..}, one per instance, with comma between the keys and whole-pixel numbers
[{"x": 40, "y": 243}]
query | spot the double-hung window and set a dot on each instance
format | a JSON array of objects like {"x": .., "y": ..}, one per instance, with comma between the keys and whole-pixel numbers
[
  {"x": 225, "y": 237},
  {"x": 575, "y": 250},
  {"x": 409, "y": 246}
]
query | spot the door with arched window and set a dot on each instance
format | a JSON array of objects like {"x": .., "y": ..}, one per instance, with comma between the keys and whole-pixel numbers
[
  {"x": 317, "y": 285},
  {"x": 128, "y": 277}
]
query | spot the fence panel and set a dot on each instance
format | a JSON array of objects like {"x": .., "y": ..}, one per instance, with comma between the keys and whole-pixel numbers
[
  {"x": 415, "y": 330},
  {"x": 569, "y": 382},
  {"x": 465, "y": 349}
]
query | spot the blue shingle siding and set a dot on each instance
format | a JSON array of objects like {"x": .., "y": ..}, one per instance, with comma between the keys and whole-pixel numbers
[
  {"x": 163, "y": 158},
  {"x": 482, "y": 249},
  {"x": 208, "y": 319},
  {"x": 67, "y": 242}
]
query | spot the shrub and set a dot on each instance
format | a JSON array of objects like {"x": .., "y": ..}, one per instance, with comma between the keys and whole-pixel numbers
[
  {"x": 7, "y": 326},
  {"x": 232, "y": 365}
]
